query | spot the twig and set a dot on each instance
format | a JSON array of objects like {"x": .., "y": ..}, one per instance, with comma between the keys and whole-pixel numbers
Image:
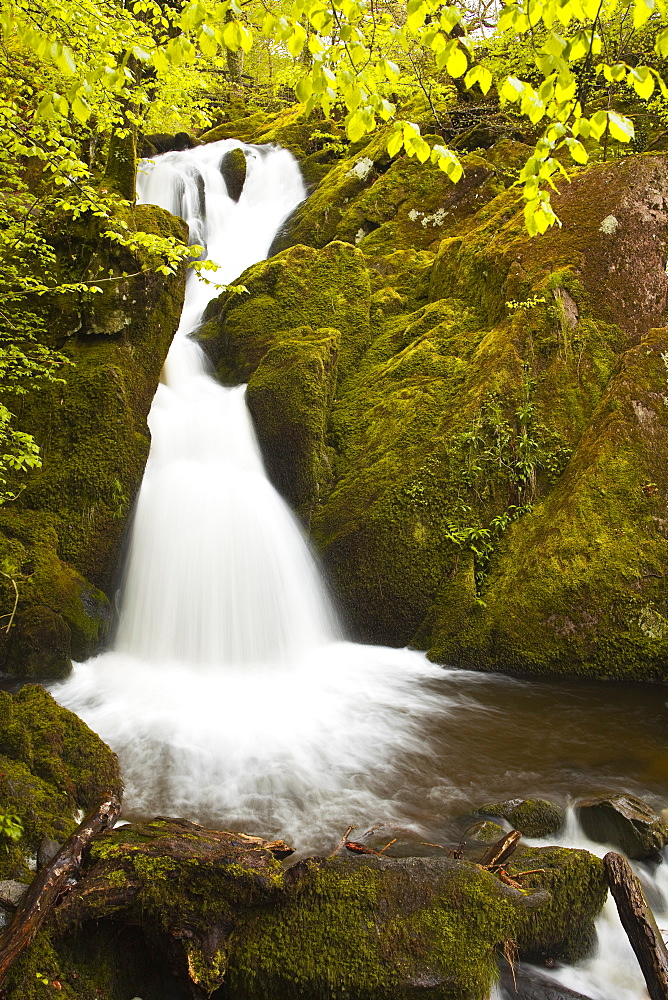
[
  {"x": 16, "y": 601},
  {"x": 342, "y": 841}
]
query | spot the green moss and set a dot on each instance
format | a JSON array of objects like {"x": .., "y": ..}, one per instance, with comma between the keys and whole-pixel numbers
[
  {"x": 299, "y": 288},
  {"x": 289, "y": 396},
  {"x": 584, "y": 568},
  {"x": 51, "y": 765},
  {"x": 406, "y": 919},
  {"x": 121, "y": 169},
  {"x": 59, "y": 541},
  {"x": 533, "y": 817},
  {"x": 562, "y": 928}
]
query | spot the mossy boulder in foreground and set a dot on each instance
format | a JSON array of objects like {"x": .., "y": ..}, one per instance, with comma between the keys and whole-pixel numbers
[
  {"x": 218, "y": 910},
  {"x": 52, "y": 767}
]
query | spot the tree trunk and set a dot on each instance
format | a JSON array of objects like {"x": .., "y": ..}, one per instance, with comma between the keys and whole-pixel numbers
[
  {"x": 49, "y": 884},
  {"x": 639, "y": 924}
]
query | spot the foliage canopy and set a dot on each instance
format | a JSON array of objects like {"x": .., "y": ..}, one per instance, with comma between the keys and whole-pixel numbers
[{"x": 77, "y": 75}]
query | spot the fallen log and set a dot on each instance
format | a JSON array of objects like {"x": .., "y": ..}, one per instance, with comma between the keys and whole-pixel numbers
[
  {"x": 639, "y": 923},
  {"x": 50, "y": 883}
]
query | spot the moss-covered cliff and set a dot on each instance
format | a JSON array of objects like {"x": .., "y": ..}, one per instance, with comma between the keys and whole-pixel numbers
[
  {"x": 60, "y": 540},
  {"x": 490, "y": 483}
]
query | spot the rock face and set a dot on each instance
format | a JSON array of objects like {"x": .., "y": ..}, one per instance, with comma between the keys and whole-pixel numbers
[
  {"x": 218, "y": 910},
  {"x": 489, "y": 484},
  {"x": 625, "y": 822},
  {"x": 59, "y": 542}
]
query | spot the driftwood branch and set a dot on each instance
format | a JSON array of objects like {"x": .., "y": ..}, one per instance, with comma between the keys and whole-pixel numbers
[
  {"x": 639, "y": 924},
  {"x": 498, "y": 853},
  {"x": 50, "y": 883}
]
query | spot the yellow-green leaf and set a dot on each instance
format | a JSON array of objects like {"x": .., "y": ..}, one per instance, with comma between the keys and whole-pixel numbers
[{"x": 457, "y": 62}]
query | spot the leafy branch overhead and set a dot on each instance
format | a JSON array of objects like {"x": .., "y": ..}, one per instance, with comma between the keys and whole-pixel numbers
[{"x": 352, "y": 56}]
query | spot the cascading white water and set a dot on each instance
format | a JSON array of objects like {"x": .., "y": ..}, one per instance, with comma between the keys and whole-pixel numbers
[
  {"x": 228, "y": 696},
  {"x": 612, "y": 971},
  {"x": 218, "y": 572}
]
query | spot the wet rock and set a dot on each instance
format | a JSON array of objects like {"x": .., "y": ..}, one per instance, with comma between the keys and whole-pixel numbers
[
  {"x": 11, "y": 893},
  {"x": 625, "y": 822},
  {"x": 289, "y": 396},
  {"x": 485, "y": 832},
  {"x": 47, "y": 851},
  {"x": 528, "y": 984},
  {"x": 225, "y": 911},
  {"x": 233, "y": 169},
  {"x": 532, "y": 817},
  {"x": 162, "y": 142},
  {"x": 561, "y": 930}
]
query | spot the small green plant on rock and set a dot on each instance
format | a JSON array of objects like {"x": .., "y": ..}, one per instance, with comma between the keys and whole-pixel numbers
[{"x": 11, "y": 827}]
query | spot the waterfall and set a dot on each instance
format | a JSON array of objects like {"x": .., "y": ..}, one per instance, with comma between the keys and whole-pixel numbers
[
  {"x": 218, "y": 571},
  {"x": 229, "y": 695}
]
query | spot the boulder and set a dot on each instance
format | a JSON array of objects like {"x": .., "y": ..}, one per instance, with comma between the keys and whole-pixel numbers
[
  {"x": 11, "y": 893},
  {"x": 532, "y": 817},
  {"x": 233, "y": 169},
  {"x": 289, "y": 396},
  {"x": 52, "y": 766},
  {"x": 626, "y": 822},
  {"x": 299, "y": 289},
  {"x": 562, "y": 929}
]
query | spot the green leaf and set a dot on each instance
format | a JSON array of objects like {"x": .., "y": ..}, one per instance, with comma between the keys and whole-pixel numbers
[
  {"x": 457, "y": 63},
  {"x": 577, "y": 151},
  {"x": 642, "y": 81},
  {"x": 642, "y": 11},
  {"x": 661, "y": 44},
  {"x": 621, "y": 128},
  {"x": 355, "y": 128},
  {"x": 304, "y": 89},
  {"x": 395, "y": 143},
  {"x": 81, "y": 110},
  {"x": 511, "y": 89}
]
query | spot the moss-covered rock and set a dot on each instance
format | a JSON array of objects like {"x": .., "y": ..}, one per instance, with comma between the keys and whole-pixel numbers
[
  {"x": 190, "y": 885},
  {"x": 579, "y": 583},
  {"x": 532, "y": 817},
  {"x": 376, "y": 928},
  {"x": 289, "y": 396},
  {"x": 59, "y": 542},
  {"x": 625, "y": 821},
  {"x": 233, "y": 169},
  {"x": 562, "y": 929},
  {"x": 218, "y": 910},
  {"x": 51, "y": 766},
  {"x": 299, "y": 288}
]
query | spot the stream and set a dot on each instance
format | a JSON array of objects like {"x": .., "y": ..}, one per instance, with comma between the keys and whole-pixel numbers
[{"x": 230, "y": 693}]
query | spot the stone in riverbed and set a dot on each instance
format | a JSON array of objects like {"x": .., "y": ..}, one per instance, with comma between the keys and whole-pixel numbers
[
  {"x": 625, "y": 822},
  {"x": 11, "y": 893},
  {"x": 526, "y": 983},
  {"x": 532, "y": 817},
  {"x": 233, "y": 169}
]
